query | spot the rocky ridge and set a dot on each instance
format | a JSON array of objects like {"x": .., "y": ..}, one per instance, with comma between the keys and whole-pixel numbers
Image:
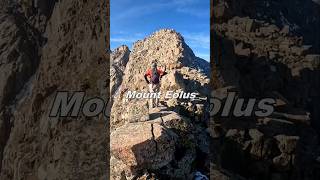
[
  {"x": 166, "y": 141},
  {"x": 169, "y": 49}
]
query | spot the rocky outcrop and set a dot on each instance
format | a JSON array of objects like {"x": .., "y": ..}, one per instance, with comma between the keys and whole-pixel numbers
[
  {"x": 168, "y": 141},
  {"x": 119, "y": 59},
  {"x": 185, "y": 73},
  {"x": 263, "y": 49},
  {"x": 48, "y": 46}
]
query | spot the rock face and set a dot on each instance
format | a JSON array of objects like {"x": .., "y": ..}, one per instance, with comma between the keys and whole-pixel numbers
[
  {"x": 18, "y": 62},
  {"x": 302, "y": 18},
  {"x": 167, "y": 141},
  {"x": 119, "y": 59},
  {"x": 143, "y": 145},
  {"x": 48, "y": 46},
  {"x": 185, "y": 73},
  {"x": 265, "y": 49}
]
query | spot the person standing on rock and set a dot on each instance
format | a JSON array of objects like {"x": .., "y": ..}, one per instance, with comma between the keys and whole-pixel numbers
[{"x": 154, "y": 74}]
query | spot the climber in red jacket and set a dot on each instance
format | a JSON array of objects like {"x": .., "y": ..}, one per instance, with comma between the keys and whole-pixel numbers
[{"x": 154, "y": 74}]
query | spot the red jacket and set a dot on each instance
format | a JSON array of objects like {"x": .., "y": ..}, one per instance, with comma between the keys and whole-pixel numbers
[{"x": 149, "y": 72}]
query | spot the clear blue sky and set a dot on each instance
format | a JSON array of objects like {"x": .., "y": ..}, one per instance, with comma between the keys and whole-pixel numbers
[{"x": 131, "y": 20}]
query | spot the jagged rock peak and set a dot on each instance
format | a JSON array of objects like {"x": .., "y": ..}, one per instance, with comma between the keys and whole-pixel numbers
[
  {"x": 167, "y": 32},
  {"x": 186, "y": 72},
  {"x": 122, "y": 48},
  {"x": 119, "y": 59},
  {"x": 120, "y": 56},
  {"x": 167, "y": 47},
  {"x": 160, "y": 37}
]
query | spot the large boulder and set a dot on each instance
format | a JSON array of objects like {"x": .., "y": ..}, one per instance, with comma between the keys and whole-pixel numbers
[
  {"x": 143, "y": 145},
  {"x": 287, "y": 144}
]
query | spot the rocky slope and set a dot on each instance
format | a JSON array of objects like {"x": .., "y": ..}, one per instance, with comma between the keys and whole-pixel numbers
[
  {"x": 48, "y": 46},
  {"x": 267, "y": 49},
  {"x": 168, "y": 141}
]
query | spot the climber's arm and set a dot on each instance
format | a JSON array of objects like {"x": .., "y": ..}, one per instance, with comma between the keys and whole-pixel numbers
[
  {"x": 164, "y": 72},
  {"x": 146, "y": 78},
  {"x": 148, "y": 73}
]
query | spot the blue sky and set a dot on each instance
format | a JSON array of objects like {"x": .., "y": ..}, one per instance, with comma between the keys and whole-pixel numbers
[{"x": 131, "y": 20}]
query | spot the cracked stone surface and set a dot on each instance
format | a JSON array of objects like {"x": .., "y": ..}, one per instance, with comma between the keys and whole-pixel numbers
[{"x": 143, "y": 145}]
